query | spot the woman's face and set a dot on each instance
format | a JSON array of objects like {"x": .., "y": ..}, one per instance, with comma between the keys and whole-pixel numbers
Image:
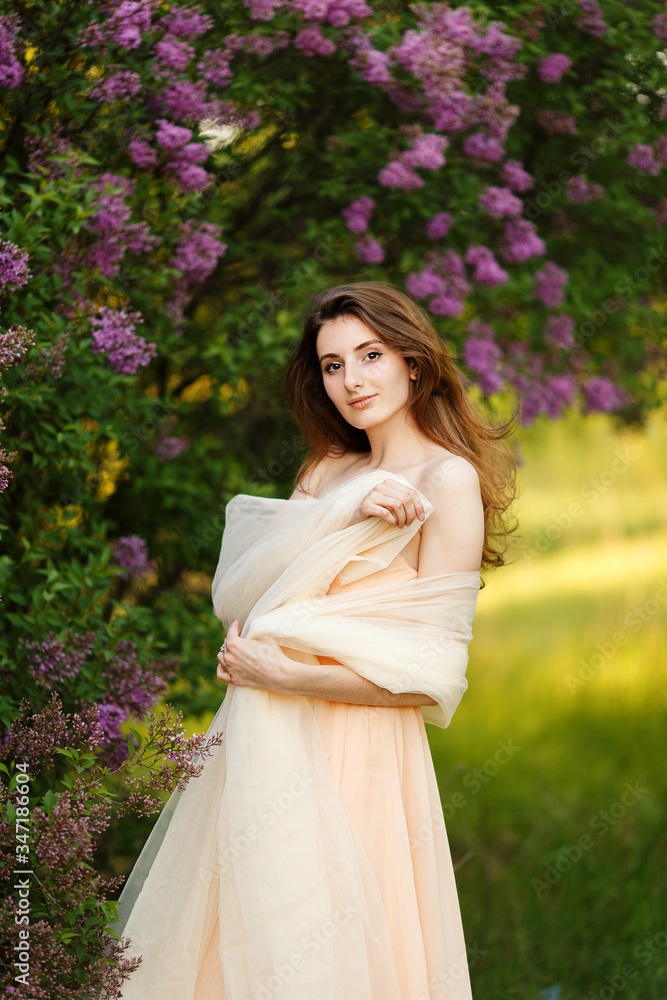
[{"x": 355, "y": 363}]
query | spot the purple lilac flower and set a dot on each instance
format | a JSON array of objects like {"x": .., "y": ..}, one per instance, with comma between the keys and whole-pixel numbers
[
  {"x": 580, "y": 190},
  {"x": 397, "y": 175},
  {"x": 114, "y": 336},
  {"x": 14, "y": 343},
  {"x": 424, "y": 283},
  {"x": 482, "y": 356},
  {"x": 172, "y": 55},
  {"x": 186, "y": 22},
  {"x": 601, "y": 395},
  {"x": 110, "y": 224},
  {"x": 559, "y": 329},
  {"x": 142, "y": 153},
  {"x": 53, "y": 659},
  {"x": 263, "y": 10},
  {"x": 373, "y": 66},
  {"x": 514, "y": 176},
  {"x": 659, "y": 25},
  {"x": 214, "y": 65},
  {"x": 170, "y": 447},
  {"x": 556, "y": 122},
  {"x": 521, "y": 241},
  {"x": 11, "y": 71},
  {"x": 183, "y": 167},
  {"x": 198, "y": 251},
  {"x": 171, "y": 136},
  {"x": 660, "y": 213},
  {"x": 500, "y": 202},
  {"x": 591, "y": 19},
  {"x": 312, "y": 42},
  {"x": 123, "y": 28},
  {"x": 549, "y": 284},
  {"x": 186, "y": 100},
  {"x": 369, "y": 250},
  {"x": 552, "y": 67},
  {"x": 130, "y": 552},
  {"x": 439, "y": 225},
  {"x": 642, "y": 157},
  {"x": 336, "y": 12},
  {"x": 483, "y": 147},
  {"x": 358, "y": 213},
  {"x": 116, "y": 86},
  {"x": 660, "y": 150},
  {"x": 444, "y": 279},
  {"x": 14, "y": 270},
  {"x": 487, "y": 269},
  {"x": 426, "y": 151}
]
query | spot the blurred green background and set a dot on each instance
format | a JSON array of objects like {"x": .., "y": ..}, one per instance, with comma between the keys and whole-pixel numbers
[{"x": 559, "y": 837}]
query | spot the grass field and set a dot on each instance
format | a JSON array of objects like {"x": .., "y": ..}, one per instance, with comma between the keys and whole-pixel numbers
[{"x": 557, "y": 751}]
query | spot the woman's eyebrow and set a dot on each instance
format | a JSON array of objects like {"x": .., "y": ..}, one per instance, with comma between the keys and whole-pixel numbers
[{"x": 366, "y": 343}]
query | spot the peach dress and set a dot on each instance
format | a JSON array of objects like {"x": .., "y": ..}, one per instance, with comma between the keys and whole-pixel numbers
[
  {"x": 311, "y": 856},
  {"x": 382, "y": 761}
]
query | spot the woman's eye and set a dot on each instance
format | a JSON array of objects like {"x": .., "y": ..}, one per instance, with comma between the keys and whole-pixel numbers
[{"x": 331, "y": 363}]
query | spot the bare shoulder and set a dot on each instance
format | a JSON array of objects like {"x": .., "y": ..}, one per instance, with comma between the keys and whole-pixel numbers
[
  {"x": 326, "y": 468},
  {"x": 449, "y": 475},
  {"x": 453, "y": 536}
]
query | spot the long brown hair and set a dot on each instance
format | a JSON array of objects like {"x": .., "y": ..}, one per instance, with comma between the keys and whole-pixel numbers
[{"x": 437, "y": 404}]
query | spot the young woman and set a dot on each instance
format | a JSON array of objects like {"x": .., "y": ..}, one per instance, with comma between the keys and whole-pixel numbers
[{"x": 310, "y": 860}]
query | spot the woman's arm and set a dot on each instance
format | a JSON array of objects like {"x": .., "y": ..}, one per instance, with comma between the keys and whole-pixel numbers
[{"x": 336, "y": 682}]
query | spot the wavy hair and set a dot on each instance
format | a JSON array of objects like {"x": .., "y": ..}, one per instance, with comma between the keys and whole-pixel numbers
[{"x": 438, "y": 403}]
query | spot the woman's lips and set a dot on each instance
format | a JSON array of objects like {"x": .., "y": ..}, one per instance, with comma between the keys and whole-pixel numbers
[{"x": 360, "y": 404}]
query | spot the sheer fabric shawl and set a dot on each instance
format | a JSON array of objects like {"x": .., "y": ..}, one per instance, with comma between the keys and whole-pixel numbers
[{"x": 261, "y": 841}]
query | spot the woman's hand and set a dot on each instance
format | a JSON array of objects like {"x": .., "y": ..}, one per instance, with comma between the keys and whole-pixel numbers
[
  {"x": 251, "y": 663},
  {"x": 397, "y": 504}
]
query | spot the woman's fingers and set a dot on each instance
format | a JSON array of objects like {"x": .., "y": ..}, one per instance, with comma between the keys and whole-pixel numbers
[{"x": 398, "y": 504}]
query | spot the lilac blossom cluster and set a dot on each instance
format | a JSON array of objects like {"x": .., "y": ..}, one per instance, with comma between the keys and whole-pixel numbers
[
  {"x": 549, "y": 284},
  {"x": 14, "y": 270},
  {"x": 111, "y": 226},
  {"x": 590, "y": 19},
  {"x": 54, "y": 660},
  {"x": 439, "y": 225},
  {"x": 556, "y": 122},
  {"x": 425, "y": 150},
  {"x": 487, "y": 269},
  {"x": 499, "y": 202},
  {"x": 358, "y": 213},
  {"x": 552, "y": 67},
  {"x": 659, "y": 25},
  {"x": 130, "y": 691},
  {"x": 11, "y": 71},
  {"x": 650, "y": 158},
  {"x": 114, "y": 335},
  {"x": 482, "y": 355},
  {"x": 65, "y": 836},
  {"x": 130, "y": 552},
  {"x": 442, "y": 281},
  {"x": 198, "y": 249},
  {"x": 14, "y": 344},
  {"x": 579, "y": 190}
]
